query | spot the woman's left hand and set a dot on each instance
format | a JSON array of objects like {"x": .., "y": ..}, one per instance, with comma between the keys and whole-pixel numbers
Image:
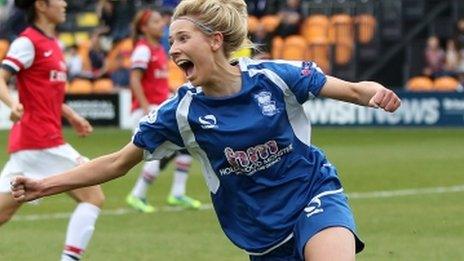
[{"x": 81, "y": 126}]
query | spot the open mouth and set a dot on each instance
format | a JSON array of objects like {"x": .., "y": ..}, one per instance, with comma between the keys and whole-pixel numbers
[{"x": 187, "y": 66}]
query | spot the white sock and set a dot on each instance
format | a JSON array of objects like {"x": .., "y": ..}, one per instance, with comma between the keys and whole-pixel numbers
[
  {"x": 179, "y": 183},
  {"x": 149, "y": 173},
  {"x": 80, "y": 230}
]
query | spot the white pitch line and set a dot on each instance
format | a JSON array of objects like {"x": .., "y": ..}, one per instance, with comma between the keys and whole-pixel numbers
[{"x": 353, "y": 195}]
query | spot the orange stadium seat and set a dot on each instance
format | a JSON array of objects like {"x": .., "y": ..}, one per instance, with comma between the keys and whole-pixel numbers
[
  {"x": 277, "y": 44},
  {"x": 176, "y": 76},
  {"x": 419, "y": 83},
  {"x": 253, "y": 23},
  {"x": 445, "y": 83},
  {"x": 366, "y": 24},
  {"x": 319, "y": 52},
  {"x": 270, "y": 22},
  {"x": 294, "y": 48},
  {"x": 341, "y": 29},
  {"x": 315, "y": 28},
  {"x": 4, "y": 45},
  {"x": 103, "y": 86},
  {"x": 80, "y": 86}
]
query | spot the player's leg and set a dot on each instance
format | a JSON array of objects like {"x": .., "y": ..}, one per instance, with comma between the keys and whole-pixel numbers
[
  {"x": 82, "y": 222},
  {"x": 333, "y": 243},
  {"x": 8, "y": 206},
  {"x": 326, "y": 228},
  {"x": 177, "y": 195},
  {"x": 42, "y": 163},
  {"x": 138, "y": 196}
]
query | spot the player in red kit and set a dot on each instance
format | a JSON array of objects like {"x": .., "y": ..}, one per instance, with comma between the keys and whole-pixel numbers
[
  {"x": 36, "y": 145},
  {"x": 149, "y": 84}
]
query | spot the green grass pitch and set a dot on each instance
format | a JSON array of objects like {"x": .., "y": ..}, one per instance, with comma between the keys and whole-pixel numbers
[{"x": 421, "y": 219}]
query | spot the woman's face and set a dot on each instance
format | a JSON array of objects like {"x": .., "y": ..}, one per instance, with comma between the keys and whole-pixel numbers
[
  {"x": 192, "y": 51},
  {"x": 55, "y": 11},
  {"x": 154, "y": 26}
]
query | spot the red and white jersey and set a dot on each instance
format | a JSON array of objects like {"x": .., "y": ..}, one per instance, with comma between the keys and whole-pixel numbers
[
  {"x": 153, "y": 61},
  {"x": 40, "y": 68}
]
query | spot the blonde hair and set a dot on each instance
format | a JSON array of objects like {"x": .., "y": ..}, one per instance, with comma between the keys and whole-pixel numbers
[{"x": 229, "y": 17}]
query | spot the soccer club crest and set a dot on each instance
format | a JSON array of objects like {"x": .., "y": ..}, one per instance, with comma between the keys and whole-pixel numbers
[
  {"x": 265, "y": 102},
  {"x": 306, "y": 68}
]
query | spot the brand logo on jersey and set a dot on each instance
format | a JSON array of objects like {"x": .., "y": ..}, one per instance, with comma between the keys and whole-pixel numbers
[
  {"x": 208, "y": 121},
  {"x": 306, "y": 68},
  {"x": 63, "y": 66},
  {"x": 314, "y": 207},
  {"x": 48, "y": 53},
  {"x": 151, "y": 117},
  {"x": 253, "y": 159},
  {"x": 57, "y": 76},
  {"x": 268, "y": 106}
]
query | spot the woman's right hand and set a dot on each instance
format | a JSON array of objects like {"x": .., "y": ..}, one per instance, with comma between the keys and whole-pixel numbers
[{"x": 17, "y": 111}]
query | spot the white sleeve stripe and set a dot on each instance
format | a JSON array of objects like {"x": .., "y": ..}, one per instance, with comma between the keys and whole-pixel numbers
[{"x": 11, "y": 64}]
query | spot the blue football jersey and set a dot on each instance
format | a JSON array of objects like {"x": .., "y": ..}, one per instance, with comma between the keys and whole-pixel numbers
[{"x": 254, "y": 147}]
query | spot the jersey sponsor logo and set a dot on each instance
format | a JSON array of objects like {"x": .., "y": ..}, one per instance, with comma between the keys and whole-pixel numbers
[
  {"x": 57, "y": 76},
  {"x": 208, "y": 121},
  {"x": 48, "y": 53},
  {"x": 267, "y": 105},
  {"x": 306, "y": 68},
  {"x": 313, "y": 207},
  {"x": 253, "y": 159}
]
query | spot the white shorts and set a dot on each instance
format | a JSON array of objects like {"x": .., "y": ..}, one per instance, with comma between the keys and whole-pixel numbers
[
  {"x": 39, "y": 164},
  {"x": 138, "y": 114}
]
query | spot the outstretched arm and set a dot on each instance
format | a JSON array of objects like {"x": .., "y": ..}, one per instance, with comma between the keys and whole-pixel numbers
[
  {"x": 365, "y": 93},
  {"x": 94, "y": 172}
]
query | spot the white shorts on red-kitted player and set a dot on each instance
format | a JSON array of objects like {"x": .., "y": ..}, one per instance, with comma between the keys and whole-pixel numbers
[{"x": 39, "y": 163}]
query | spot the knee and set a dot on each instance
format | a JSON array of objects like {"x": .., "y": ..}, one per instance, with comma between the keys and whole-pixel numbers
[
  {"x": 93, "y": 195},
  {"x": 5, "y": 217}
]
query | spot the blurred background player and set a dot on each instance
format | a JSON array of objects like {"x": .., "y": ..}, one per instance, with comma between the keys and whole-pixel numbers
[
  {"x": 149, "y": 84},
  {"x": 36, "y": 145}
]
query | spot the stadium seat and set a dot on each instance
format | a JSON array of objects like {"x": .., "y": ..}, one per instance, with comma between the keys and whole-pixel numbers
[
  {"x": 253, "y": 23},
  {"x": 176, "y": 76},
  {"x": 341, "y": 29},
  {"x": 67, "y": 39},
  {"x": 81, "y": 37},
  {"x": 319, "y": 52},
  {"x": 80, "y": 86},
  {"x": 103, "y": 86},
  {"x": 294, "y": 48},
  {"x": 87, "y": 20},
  {"x": 277, "y": 44},
  {"x": 366, "y": 24},
  {"x": 270, "y": 22},
  {"x": 4, "y": 45},
  {"x": 445, "y": 84},
  {"x": 315, "y": 28},
  {"x": 419, "y": 83}
]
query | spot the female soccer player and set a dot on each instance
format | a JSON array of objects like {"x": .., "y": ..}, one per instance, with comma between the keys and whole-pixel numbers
[
  {"x": 275, "y": 195},
  {"x": 36, "y": 144},
  {"x": 149, "y": 83}
]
